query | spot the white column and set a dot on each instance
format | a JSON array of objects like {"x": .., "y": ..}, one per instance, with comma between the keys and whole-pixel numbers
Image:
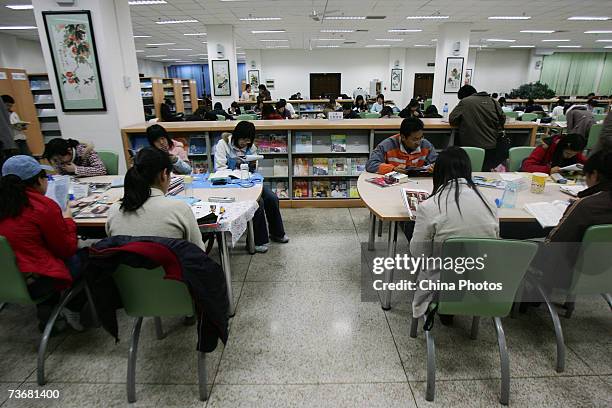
[
  {"x": 449, "y": 34},
  {"x": 112, "y": 27},
  {"x": 535, "y": 66},
  {"x": 397, "y": 59},
  {"x": 253, "y": 62},
  {"x": 221, "y": 46}
]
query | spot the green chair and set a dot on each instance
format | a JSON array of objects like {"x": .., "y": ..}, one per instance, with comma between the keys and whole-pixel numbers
[
  {"x": 594, "y": 134},
  {"x": 529, "y": 117},
  {"x": 599, "y": 116},
  {"x": 145, "y": 293},
  {"x": 598, "y": 110},
  {"x": 517, "y": 155},
  {"x": 370, "y": 115},
  {"x": 110, "y": 160},
  {"x": 512, "y": 114},
  {"x": 506, "y": 263},
  {"x": 246, "y": 116},
  {"x": 13, "y": 289},
  {"x": 427, "y": 103},
  {"x": 220, "y": 118},
  {"x": 477, "y": 156}
]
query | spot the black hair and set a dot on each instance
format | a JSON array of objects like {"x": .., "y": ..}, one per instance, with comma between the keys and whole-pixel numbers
[
  {"x": 465, "y": 91},
  {"x": 247, "y": 86},
  {"x": 414, "y": 104},
  {"x": 494, "y": 95},
  {"x": 262, "y": 87},
  {"x": 13, "y": 196},
  {"x": 59, "y": 147},
  {"x": 600, "y": 161},
  {"x": 592, "y": 94},
  {"x": 592, "y": 102},
  {"x": 359, "y": 98},
  {"x": 380, "y": 96},
  {"x": 561, "y": 102},
  {"x": 266, "y": 110},
  {"x": 572, "y": 141},
  {"x": 234, "y": 104},
  {"x": 410, "y": 125},
  {"x": 502, "y": 101},
  {"x": 149, "y": 162},
  {"x": 210, "y": 116},
  {"x": 244, "y": 130},
  {"x": 452, "y": 164},
  {"x": 386, "y": 111},
  {"x": 431, "y": 110},
  {"x": 155, "y": 132},
  {"x": 8, "y": 99},
  {"x": 530, "y": 102},
  {"x": 218, "y": 106},
  {"x": 281, "y": 103}
]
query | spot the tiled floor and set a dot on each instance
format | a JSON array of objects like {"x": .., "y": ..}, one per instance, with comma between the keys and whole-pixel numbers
[{"x": 302, "y": 337}]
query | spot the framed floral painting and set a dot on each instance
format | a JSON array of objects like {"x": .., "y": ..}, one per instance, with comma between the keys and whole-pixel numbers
[{"x": 75, "y": 60}]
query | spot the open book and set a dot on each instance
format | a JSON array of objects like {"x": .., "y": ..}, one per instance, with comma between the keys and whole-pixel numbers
[
  {"x": 412, "y": 198},
  {"x": 572, "y": 167},
  {"x": 572, "y": 190},
  {"x": 548, "y": 214}
]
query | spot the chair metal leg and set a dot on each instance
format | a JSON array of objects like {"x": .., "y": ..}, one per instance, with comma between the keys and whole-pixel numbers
[
  {"x": 606, "y": 296},
  {"x": 475, "y": 326},
  {"x": 414, "y": 326},
  {"x": 202, "y": 376},
  {"x": 228, "y": 272},
  {"x": 159, "y": 330},
  {"x": 92, "y": 307},
  {"x": 131, "y": 370},
  {"x": 504, "y": 360},
  {"x": 431, "y": 366},
  {"x": 371, "y": 232},
  {"x": 558, "y": 331},
  {"x": 570, "y": 305},
  {"x": 44, "y": 341},
  {"x": 380, "y": 228}
]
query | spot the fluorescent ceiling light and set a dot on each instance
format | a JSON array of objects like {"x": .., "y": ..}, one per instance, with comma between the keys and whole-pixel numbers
[
  {"x": 598, "y": 32},
  {"x": 194, "y": 34},
  {"x": 499, "y": 40},
  {"x": 603, "y": 40},
  {"x": 509, "y": 18},
  {"x": 522, "y": 46},
  {"x": 344, "y": 18},
  {"x": 192, "y": 20},
  {"x": 569, "y": 46},
  {"x": 478, "y": 46},
  {"x": 204, "y": 42},
  {"x": 20, "y": 6},
  {"x": 422, "y": 45},
  {"x": 260, "y": 19},
  {"x": 145, "y": 2},
  {"x": 434, "y": 39},
  {"x": 277, "y": 46},
  {"x": 158, "y": 44},
  {"x": 17, "y": 28},
  {"x": 586, "y": 18},
  {"x": 271, "y": 40},
  {"x": 427, "y": 17},
  {"x": 377, "y": 45},
  {"x": 267, "y": 31},
  {"x": 139, "y": 50},
  {"x": 142, "y": 36},
  {"x": 180, "y": 49},
  {"x": 197, "y": 55},
  {"x": 538, "y": 31},
  {"x": 404, "y": 30},
  {"x": 337, "y": 31},
  {"x": 170, "y": 59},
  {"x": 329, "y": 39},
  {"x": 390, "y": 39},
  {"x": 556, "y": 40},
  {"x": 156, "y": 56},
  {"x": 328, "y": 46},
  {"x": 608, "y": 46}
]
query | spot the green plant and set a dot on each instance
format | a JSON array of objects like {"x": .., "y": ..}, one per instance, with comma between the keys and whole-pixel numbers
[{"x": 535, "y": 90}]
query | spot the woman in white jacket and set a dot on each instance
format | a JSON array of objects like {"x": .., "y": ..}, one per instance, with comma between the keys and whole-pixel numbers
[
  {"x": 455, "y": 209},
  {"x": 230, "y": 152}
]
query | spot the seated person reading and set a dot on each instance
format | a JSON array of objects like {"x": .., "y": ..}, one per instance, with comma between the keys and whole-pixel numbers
[
  {"x": 404, "y": 151},
  {"x": 554, "y": 153}
]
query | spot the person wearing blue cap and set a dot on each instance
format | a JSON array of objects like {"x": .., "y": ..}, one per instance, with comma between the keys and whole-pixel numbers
[{"x": 43, "y": 239}]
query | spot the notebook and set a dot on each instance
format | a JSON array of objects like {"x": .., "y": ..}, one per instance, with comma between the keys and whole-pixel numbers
[{"x": 548, "y": 214}]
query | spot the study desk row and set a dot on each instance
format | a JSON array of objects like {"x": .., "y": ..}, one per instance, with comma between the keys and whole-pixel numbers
[{"x": 386, "y": 204}]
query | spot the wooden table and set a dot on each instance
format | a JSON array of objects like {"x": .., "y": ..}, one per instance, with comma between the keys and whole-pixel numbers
[
  {"x": 240, "y": 194},
  {"x": 386, "y": 204}
]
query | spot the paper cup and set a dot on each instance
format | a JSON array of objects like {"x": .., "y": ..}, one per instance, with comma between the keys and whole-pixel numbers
[{"x": 538, "y": 182}]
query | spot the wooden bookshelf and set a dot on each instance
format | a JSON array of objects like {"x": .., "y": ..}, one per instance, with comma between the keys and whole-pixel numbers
[
  {"x": 14, "y": 82},
  {"x": 190, "y": 97}
]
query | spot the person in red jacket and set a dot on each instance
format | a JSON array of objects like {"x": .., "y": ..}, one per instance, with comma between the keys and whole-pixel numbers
[
  {"x": 43, "y": 239},
  {"x": 554, "y": 153}
]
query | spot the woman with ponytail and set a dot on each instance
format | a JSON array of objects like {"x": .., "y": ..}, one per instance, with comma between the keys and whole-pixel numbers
[
  {"x": 69, "y": 156},
  {"x": 145, "y": 210}
]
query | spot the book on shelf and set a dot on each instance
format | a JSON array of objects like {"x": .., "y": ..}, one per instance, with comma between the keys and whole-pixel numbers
[
  {"x": 320, "y": 188},
  {"x": 412, "y": 198},
  {"x": 301, "y": 189},
  {"x": 197, "y": 145},
  {"x": 320, "y": 166},
  {"x": 303, "y": 142},
  {"x": 281, "y": 167},
  {"x": 278, "y": 143},
  {"x": 199, "y": 166},
  {"x": 265, "y": 167},
  {"x": 358, "y": 165},
  {"x": 338, "y": 143},
  {"x": 262, "y": 142},
  {"x": 301, "y": 166},
  {"x": 280, "y": 188},
  {"x": 353, "y": 193},
  {"x": 339, "y": 189},
  {"x": 357, "y": 144},
  {"x": 339, "y": 166}
]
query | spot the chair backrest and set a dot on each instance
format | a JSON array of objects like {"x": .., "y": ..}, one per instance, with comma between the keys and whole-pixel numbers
[
  {"x": 529, "y": 117},
  {"x": 593, "y": 270},
  {"x": 477, "y": 156},
  {"x": 594, "y": 134},
  {"x": 512, "y": 114},
  {"x": 598, "y": 110},
  {"x": 517, "y": 155},
  {"x": 13, "y": 288},
  {"x": 246, "y": 116},
  {"x": 504, "y": 262},
  {"x": 110, "y": 160},
  {"x": 599, "y": 116},
  {"x": 220, "y": 117},
  {"x": 145, "y": 293},
  {"x": 427, "y": 103},
  {"x": 371, "y": 115}
]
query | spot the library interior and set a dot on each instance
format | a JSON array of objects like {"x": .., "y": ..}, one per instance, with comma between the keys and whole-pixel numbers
[{"x": 313, "y": 203}]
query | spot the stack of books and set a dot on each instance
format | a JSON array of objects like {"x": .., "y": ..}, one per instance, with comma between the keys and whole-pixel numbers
[
  {"x": 176, "y": 185},
  {"x": 324, "y": 166},
  {"x": 342, "y": 188}
]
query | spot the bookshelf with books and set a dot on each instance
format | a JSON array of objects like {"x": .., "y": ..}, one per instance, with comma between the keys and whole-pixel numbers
[
  {"x": 190, "y": 98},
  {"x": 173, "y": 92},
  {"x": 152, "y": 94}
]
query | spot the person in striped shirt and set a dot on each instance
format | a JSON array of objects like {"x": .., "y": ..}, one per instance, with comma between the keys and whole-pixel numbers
[
  {"x": 403, "y": 152},
  {"x": 70, "y": 157}
]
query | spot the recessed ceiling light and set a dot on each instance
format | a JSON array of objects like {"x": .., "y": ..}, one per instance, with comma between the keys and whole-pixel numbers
[
  {"x": 603, "y": 40},
  {"x": 180, "y": 49},
  {"x": 404, "y": 30},
  {"x": 142, "y": 36},
  {"x": 20, "y": 6},
  {"x": 192, "y": 20},
  {"x": 586, "y": 18},
  {"x": 156, "y": 56},
  {"x": 337, "y": 31},
  {"x": 569, "y": 46},
  {"x": 598, "y": 32},
  {"x": 328, "y": 46},
  {"x": 556, "y": 40},
  {"x": 499, "y": 40},
  {"x": 260, "y": 19},
  {"x": 204, "y": 42},
  {"x": 509, "y": 18},
  {"x": 17, "y": 28},
  {"x": 390, "y": 39},
  {"x": 194, "y": 34},
  {"x": 538, "y": 31},
  {"x": 158, "y": 44},
  {"x": 267, "y": 31},
  {"x": 273, "y": 40},
  {"x": 145, "y": 2},
  {"x": 427, "y": 17},
  {"x": 377, "y": 45},
  {"x": 522, "y": 46},
  {"x": 344, "y": 18}
]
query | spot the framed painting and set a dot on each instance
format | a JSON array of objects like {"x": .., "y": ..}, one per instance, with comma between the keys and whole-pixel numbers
[
  {"x": 221, "y": 78},
  {"x": 254, "y": 78},
  {"x": 468, "y": 77},
  {"x": 454, "y": 73},
  {"x": 396, "y": 79},
  {"x": 75, "y": 60}
]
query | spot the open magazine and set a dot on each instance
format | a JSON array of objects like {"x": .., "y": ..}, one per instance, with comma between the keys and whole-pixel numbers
[
  {"x": 412, "y": 198},
  {"x": 548, "y": 214}
]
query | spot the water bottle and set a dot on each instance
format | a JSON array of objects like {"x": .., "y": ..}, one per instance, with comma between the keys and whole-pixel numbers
[
  {"x": 244, "y": 171},
  {"x": 510, "y": 195},
  {"x": 445, "y": 111},
  {"x": 188, "y": 185}
]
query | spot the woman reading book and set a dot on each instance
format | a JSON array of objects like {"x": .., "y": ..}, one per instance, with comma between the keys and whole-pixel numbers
[
  {"x": 555, "y": 153},
  {"x": 158, "y": 137},
  {"x": 72, "y": 157}
]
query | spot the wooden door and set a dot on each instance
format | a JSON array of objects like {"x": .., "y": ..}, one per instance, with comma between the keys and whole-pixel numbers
[{"x": 423, "y": 85}]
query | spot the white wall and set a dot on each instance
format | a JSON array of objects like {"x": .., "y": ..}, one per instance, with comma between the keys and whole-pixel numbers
[
  {"x": 151, "y": 68},
  {"x": 416, "y": 63},
  {"x": 22, "y": 54},
  {"x": 500, "y": 70}
]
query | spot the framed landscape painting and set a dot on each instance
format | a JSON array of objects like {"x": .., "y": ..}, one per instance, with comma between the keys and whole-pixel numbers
[
  {"x": 396, "y": 79},
  {"x": 454, "y": 73},
  {"x": 254, "y": 78},
  {"x": 75, "y": 60},
  {"x": 221, "y": 78}
]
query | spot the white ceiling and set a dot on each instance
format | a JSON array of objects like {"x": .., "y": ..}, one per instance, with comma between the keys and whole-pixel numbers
[{"x": 302, "y": 32}]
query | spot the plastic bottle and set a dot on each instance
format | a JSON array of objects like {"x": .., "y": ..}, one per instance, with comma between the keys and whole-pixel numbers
[
  {"x": 188, "y": 185},
  {"x": 445, "y": 111},
  {"x": 510, "y": 195},
  {"x": 244, "y": 171}
]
